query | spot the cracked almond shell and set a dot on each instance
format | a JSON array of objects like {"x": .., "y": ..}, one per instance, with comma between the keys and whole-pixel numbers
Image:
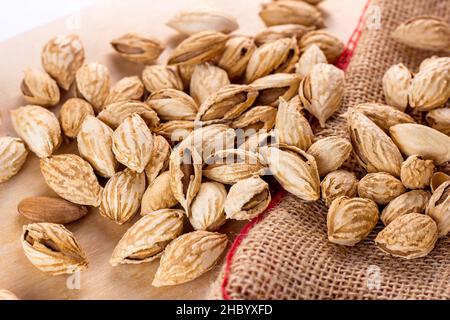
[
  {"x": 146, "y": 239},
  {"x": 291, "y": 12},
  {"x": 206, "y": 80},
  {"x": 38, "y": 128},
  {"x": 278, "y": 56},
  {"x": 275, "y": 86},
  {"x": 438, "y": 208},
  {"x": 374, "y": 149},
  {"x": 237, "y": 54},
  {"x": 383, "y": 116},
  {"x": 159, "y": 161},
  {"x": 396, "y": 82},
  {"x": 227, "y": 104},
  {"x": 136, "y": 48},
  {"x": 247, "y": 199},
  {"x": 282, "y": 31},
  {"x": 53, "y": 249},
  {"x": 198, "y": 48},
  {"x": 114, "y": 114},
  {"x": 439, "y": 119},
  {"x": 294, "y": 169},
  {"x": 171, "y": 104},
  {"x": 322, "y": 90},
  {"x": 72, "y": 178}
]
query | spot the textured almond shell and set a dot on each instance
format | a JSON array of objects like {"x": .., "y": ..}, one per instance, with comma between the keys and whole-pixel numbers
[
  {"x": 13, "y": 154},
  {"x": 72, "y": 114},
  {"x": 206, "y": 80},
  {"x": 374, "y": 149},
  {"x": 175, "y": 130},
  {"x": 383, "y": 116},
  {"x": 39, "y": 88},
  {"x": 114, "y": 114},
  {"x": 199, "y": 48},
  {"x": 282, "y": 31},
  {"x": 351, "y": 220},
  {"x": 158, "y": 195},
  {"x": 193, "y": 21},
  {"x": 244, "y": 192},
  {"x": 410, "y": 236},
  {"x": 193, "y": 181},
  {"x": 171, "y": 104},
  {"x": 52, "y": 210},
  {"x": 223, "y": 105},
  {"x": 38, "y": 128},
  {"x": 72, "y": 178},
  {"x": 61, "y": 57},
  {"x": 132, "y": 143},
  {"x": 95, "y": 145},
  {"x": 69, "y": 258},
  {"x": 136, "y": 48},
  {"x": 159, "y": 77},
  {"x": 328, "y": 43},
  {"x": 439, "y": 119},
  {"x": 338, "y": 183},
  {"x": 295, "y": 170},
  {"x": 321, "y": 92},
  {"x": 236, "y": 55},
  {"x": 189, "y": 256},
  {"x": 428, "y": 33},
  {"x": 207, "y": 209},
  {"x": 396, "y": 82},
  {"x": 439, "y": 208},
  {"x": 159, "y": 161},
  {"x": 437, "y": 179},
  {"x": 210, "y": 139},
  {"x": 257, "y": 140},
  {"x": 291, "y": 12},
  {"x": 430, "y": 88},
  {"x": 256, "y": 118},
  {"x": 380, "y": 187},
  {"x": 311, "y": 56},
  {"x": 128, "y": 88},
  {"x": 416, "y": 173},
  {"x": 292, "y": 128},
  {"x": 330, "y": 153},
  {"x": 272, "y": 57},
  {"x": 272, "y": 87},
  {"x": 222, "y": 166},
  {"x": 92, "y": 84},
  {"x": 151, "y": 233},
  {"x": 122, "y": 196},
  {"x": 416, "y": 139},
  {"x": 411, "y": 202}
]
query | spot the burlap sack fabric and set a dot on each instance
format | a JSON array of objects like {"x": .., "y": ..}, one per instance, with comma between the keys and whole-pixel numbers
[{"x": 286, "y": 255}]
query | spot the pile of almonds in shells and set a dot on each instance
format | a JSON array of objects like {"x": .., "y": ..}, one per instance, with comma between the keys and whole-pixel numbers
[{"x": 197, "y": 141}]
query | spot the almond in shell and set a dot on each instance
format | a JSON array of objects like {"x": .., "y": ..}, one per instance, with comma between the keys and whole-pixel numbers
[
  {"x": 13, "y": 155},
  {"x": 39, "y": 88},
  {"x": 414, "y": 201},
  {"x": 380, "y": 187},
  {"x": 72, "y": 114},
  {"x": 207, "y": 209},
  {"x": 92, "y": 84}
]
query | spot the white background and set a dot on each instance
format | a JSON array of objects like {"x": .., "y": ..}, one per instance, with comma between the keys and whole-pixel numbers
[{"x": 18, "y": 16}]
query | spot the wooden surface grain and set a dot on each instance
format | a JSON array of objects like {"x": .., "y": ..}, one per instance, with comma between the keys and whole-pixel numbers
[{"x": 97, "y": 25}]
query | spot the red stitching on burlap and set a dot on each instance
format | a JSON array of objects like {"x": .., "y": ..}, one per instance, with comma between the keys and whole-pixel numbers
[{"x": 342, "y": 63}]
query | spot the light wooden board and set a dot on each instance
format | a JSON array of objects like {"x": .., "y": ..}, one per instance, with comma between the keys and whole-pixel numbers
[{"x": 98, "y": 236}]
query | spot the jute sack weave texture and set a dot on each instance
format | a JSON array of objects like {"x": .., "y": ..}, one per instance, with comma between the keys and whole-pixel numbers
[{"x": 287, "y": 254}]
